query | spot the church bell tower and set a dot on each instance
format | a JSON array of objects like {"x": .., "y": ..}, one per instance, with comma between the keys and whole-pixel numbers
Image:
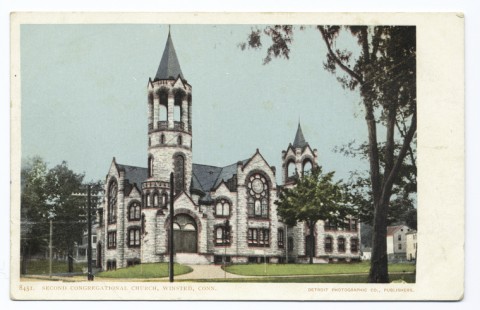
[{"x": 169, "y": 126}]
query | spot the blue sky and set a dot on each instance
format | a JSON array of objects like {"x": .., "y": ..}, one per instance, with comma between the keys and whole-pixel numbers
[{"x": 84, "y": 96}]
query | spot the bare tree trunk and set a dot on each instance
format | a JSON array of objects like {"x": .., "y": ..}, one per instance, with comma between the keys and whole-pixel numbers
[{"x": 379, "y": 261}]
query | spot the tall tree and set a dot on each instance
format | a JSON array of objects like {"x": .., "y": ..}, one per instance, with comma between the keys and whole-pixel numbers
[
  {"x": 47, "y": 195},
  {"x": 315, "y": 197},
  {"x": 384, "y": 73},
  {"x": 68, "y": 211},
  {"x": 33, "y": 211},
  {"x": 404, "y": 190}
]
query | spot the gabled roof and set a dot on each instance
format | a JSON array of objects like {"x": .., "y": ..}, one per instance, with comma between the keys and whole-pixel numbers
[
  {"x": 393, "y": 229},
  {"x": 207, "y": 178},
  {"x": 135, "y": 175},
  {"x": 299, "y": 141},
  {"x": 169, "y": 67}
]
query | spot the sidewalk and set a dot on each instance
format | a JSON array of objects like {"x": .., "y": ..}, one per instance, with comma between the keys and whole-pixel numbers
[{"x": 208, "y": 272}]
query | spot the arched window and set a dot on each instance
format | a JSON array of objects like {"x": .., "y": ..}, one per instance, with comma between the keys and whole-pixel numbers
[
  {"x": 134, "y": 211},
  {"x": 179, "y": 173},
  {"x": 148, "y": 200},
  {"x": 257, "y": 201},
  {"x": 291, "y": 172},
  {"x": 222, "y": 208},
  {"x": 164, "y": 200},
  {"x": 150, "y": 166},
  {"x": 328, "y": 244},
  {"x": 179, "y": 140},
  {"x": 307, "y": 166},
  {"x": 112, "y": 202},
  {"x": 162, "y": 108},
  {"x": 341, "y": 244},
  {"x": 155, "y": 200},
  {"x": 177, "y": 105},
  {"x": 162, "y": 139}
]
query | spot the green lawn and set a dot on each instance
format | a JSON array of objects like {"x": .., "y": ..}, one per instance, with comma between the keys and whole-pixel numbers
[
  {"x": 307, "y": 269},
  {"x": 41, "y": 267},
  {"x": 145, "y": 271},
  {"x": 360, "y": 278}
]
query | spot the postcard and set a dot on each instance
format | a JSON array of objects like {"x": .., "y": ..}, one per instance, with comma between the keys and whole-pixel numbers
[{"x": 235, "y": 156}]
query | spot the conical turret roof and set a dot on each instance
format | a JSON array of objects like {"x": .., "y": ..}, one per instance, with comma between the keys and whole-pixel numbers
[
  {"x": 299, "y": 141},
  {"x": 169, "y": 67}
]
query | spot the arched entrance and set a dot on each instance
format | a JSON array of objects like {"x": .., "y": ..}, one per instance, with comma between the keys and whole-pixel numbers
[{"x": 184, "y": 234}]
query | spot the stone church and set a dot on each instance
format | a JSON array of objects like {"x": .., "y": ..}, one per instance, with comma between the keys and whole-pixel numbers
[{"x": 220, "y": 212}]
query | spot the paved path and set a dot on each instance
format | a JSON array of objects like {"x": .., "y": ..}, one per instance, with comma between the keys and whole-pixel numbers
[{"x": 208, "y": 272}]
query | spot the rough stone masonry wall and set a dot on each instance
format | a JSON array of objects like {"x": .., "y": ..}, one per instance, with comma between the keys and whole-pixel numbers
[{"x": 256, "y": 164}]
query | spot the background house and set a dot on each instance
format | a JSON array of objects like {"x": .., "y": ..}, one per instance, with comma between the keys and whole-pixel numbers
[
  {"x": 396, "y": 242},
  {"x": 411, "y": 244}
]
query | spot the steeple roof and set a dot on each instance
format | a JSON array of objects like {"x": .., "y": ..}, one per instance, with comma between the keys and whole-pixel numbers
[
  {"x": 299, "y": 141},
  {"x": 169, "y": 67}
]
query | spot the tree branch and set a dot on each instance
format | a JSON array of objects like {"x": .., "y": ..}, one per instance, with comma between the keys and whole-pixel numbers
[
  {"x": 403, "y": 151},
  {"x": 338, "y": 61}
]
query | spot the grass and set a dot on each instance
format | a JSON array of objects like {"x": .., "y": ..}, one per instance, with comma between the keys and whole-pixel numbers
[
  {"x": 360, "y": 278},
  {"x": 144, "y": 271},
  {"x": 307, "y": 269},
  {"x": 42, "y": 267}
]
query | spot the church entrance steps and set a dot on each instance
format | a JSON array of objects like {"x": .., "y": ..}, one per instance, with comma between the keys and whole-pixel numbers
[{"x": 191, "y": 259}]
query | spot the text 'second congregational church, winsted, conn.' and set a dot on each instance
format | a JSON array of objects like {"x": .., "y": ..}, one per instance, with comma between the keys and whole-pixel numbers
[{"x": 219, "y": 211}]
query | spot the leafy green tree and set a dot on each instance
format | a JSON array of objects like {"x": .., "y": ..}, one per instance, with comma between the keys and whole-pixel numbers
[
  {"x": 34, "y": 210},
  {"x": 384, "y": 73},
  {"x": 48, "y": 195},
  {"x": 315, "y": 197},
  {"x": 403, "y": 198},
  {"x": 67, "y": 210}
]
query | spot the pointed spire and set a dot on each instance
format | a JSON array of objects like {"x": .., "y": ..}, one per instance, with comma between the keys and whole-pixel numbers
[
  {"x": 169, "y": 67},
  {"x": 299, "y": 141}
]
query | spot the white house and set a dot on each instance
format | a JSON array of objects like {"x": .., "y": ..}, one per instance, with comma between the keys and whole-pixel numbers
[
  {"x": 411, "y": 245},
  {"x": 396, "y": 242}
]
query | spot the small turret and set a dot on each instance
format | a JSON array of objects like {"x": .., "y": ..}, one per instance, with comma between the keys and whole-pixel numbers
[{"x": 298, "y": 158}]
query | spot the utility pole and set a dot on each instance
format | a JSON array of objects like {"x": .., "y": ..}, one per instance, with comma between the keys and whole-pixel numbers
[
  {"x": 170, "y": 239},
  {"x": 226, "y": 239},
  {"x": 285, "y": 244},
  {"x": 50, "y": 248},
  {"x": 90, "y": 276}
]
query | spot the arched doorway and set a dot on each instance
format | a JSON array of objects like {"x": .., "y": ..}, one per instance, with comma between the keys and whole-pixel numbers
[{"x": 184, "y": 234}]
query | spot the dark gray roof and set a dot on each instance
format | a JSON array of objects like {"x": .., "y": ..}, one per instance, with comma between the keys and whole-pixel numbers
[
  {"x": 169, "y": 67},
  {"x": 226, "y": 174},
  {"x": 206, "y": 178},
  {"x": 299, "y": 141},
  {"x": 134, "y": 174}
]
